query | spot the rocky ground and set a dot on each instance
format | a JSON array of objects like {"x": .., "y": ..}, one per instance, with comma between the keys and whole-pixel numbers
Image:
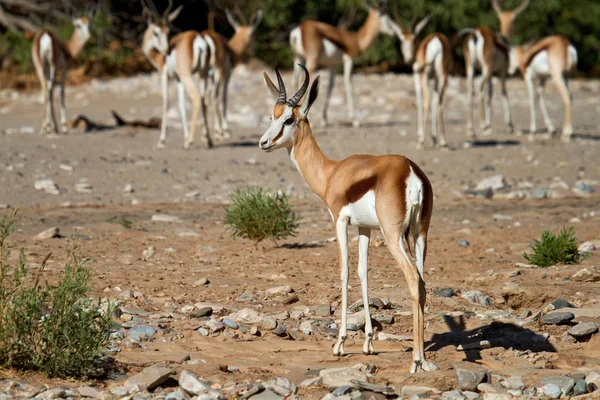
[{"x": 201, "y": 314}]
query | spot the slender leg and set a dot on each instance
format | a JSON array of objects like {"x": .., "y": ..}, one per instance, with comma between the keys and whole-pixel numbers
[
  {"x": 204, "y": 100},
  {"x": 532, "y": 101},
  {"x": 542, "y": 101},
  {"x": 63, "y": 109},
  {"x": 216, "y": 98},
  {"x": 485, "y": 103},
  {"x": 39, "y": 69},
  {"x": 470, "y": 89},
  {"x": 563, "y": 87},
  {"x": 426, "y": 102},
  {"x": 194, "y": 94},
  {"x": 364, "y": 235},
  {"x": 434, "y": 112},
  {"x": 341, "y": 227},
  {"x": 328, "y": 96},
  {"x": 164, "y": 80},
  {"x": 51, "y": 80},
  {"x": 506, "y": 106},
  {"x": 440, "y": 114},
  {"x": 348, "y": 65},
  {"x": 419, "y": 92},
  {"x": 182, "y": 110},
  {"x": 226, "y": 133}
]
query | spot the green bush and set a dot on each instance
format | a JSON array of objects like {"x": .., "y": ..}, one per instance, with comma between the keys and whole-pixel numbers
[
  {"x": 552, "y": 249},
  {"x": 16, "y": 47},
  {"x": 259, "y": 214},
  {"x": 54, "y": 329}
]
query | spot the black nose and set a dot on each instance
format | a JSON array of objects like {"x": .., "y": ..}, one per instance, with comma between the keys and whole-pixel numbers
[{"x": 263, "y": 143}]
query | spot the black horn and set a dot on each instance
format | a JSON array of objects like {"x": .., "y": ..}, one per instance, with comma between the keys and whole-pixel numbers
[
  {"x": 282, "y": 94},
  {"x": 293, "y": 102}
]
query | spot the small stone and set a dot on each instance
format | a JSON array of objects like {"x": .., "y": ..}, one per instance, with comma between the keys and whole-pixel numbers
[
  {"x": 83, "y": 187},
  {"x": 580, "y": 388},
  {"x": 128, "y": 188},
  {"x": 244, "y": 298},
  {"x": 342, "y": 390},
  {"x": 201, "y": 282},
  {"x": 552, "y": 391},
  {"x": 215, "y": 325},
  {"x": 230, "y": 323},
  {"x": 557, "y": 318},
  {"x": 280, "y": 330},
  {"x": 593, "y": 381},
  {"x": 583, "y": 330},
  {"x": 586, "y": 247},
  {"x": 469, "y": 375},
  {"x": 464, "y": 243},
  {"x": 585, "y": 275},
  {"x": 489, "y": 388},
  {"x": 202, "y": 331},
  {"x": 202, "y": 312},
  {"x": 178, "y": 394},
  {"x": 141, "y": 333},
  {"x": 280, "y": 290},
  {"x": 126, "y": 294},
  {"x": 49, "y": 233},
  {"x": 475, "y": 296},
  {"x": 321, "y": 310},
  {"x": 165, "y": 218},
  {"x": 253, "y": 317},
  {"x": 495, "y": 182},
  {"x": 564, "y": 383},
  {"x": 336, "y": 377},
  {"x": 558, "y": 304},
  {"x": 449, "y": 292},
  {"x": 514, "y": 382},
  {"x": 306, "y": 327},
  {"x": 453, "y": 395},
  {"x": 281, "y": 386},
  {"x": 357, "y": 319},
  {"x": 413, "y": 390},
  {"x": 47, "y": 185},
  {"x": 149, "y": 378},
  {"x": 192, "y": 384},
  {"x": 311, "y": 382},
  {"x": 87, "y": 391}
]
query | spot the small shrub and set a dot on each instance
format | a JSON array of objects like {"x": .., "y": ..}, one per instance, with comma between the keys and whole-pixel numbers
[
  {"x": 57, "y": 329},
  {"x": 259, "y": 214},
  {"x": 555, "y": 249},
  {"x": 124, "y": 222}
]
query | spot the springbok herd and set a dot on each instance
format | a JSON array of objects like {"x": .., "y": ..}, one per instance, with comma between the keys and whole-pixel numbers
[{"x": 390, "y": 193}]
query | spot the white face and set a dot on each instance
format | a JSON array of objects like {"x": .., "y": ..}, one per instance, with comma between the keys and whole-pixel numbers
[
  {"x": 281, "y": 131},
  {"x": 513, "y": 62},
  {"x": 159, "y": 38},
  {"x": 408, "y": 49},
  {"x": 82, "y": 26},
  {"x": 384, "y": 25}
]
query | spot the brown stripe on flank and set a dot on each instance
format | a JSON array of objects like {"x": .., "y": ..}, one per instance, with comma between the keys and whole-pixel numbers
[{"x": 357, "y": 190}]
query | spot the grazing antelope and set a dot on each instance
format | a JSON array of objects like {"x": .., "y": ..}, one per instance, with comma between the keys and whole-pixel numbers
[
  {"x": 552, "y": 57},
  {"x": 224, "y": 56},
  {"x": 432, "y": 60},
  {"x": 180, "y": 58},
  {"x": 487, "y": 51},
  {"x": 390, "y": 193},
  {"x": 316, "y": 44},
  {"x": 51, "y": 58}
]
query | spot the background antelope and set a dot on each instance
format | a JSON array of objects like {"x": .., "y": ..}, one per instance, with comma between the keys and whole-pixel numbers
[
  {"x": 51, "y": 59},
  {"x": 390, "y": 193},
  {"x": 224, "y": 56},
  {"x": 432, "y": 61},
  {"x": 316, "y": 44},
  {"x": 183, "y": 57},
  {"x": 552, "y": 57},
  {"x": 487, "y": 51}
]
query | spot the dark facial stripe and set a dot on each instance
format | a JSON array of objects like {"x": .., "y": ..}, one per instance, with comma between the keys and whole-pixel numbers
[{"x": 279, "y": 135}]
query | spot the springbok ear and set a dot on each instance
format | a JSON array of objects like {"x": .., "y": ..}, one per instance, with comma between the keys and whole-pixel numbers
[
  {"x": 312, "y": 96},
  {"x": 174, "y": 14},
  {"x": 271, "y": 86},
  {"x": 419, "y": 27},
  {"x": 256, "y": 19},
  {"x": 231, "y": 21}
]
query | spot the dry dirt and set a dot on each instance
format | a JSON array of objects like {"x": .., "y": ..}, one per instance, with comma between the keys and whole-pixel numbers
[{"x": 194, "y": 185}]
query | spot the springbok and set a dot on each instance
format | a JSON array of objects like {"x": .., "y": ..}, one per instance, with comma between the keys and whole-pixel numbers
[
  {"x": 51, "y": 59},
  {"x": 551, "y": 57},
  {"x": 484, "y": 49},
  {"x": 432, "y": 61},
  {"x": 224, "y": 56},
  {"x": 180, "y": 58},
  {"x": 390, "y": 193},
  {"x": 316, "y": 44}
]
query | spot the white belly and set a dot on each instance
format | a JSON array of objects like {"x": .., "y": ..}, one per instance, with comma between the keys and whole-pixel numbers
[
  {"x": 362, "y": 213},
  {"x": 539, "y": 65},
  {"x": 331, "y": 55},
  {"x": 171, "y": 64}
]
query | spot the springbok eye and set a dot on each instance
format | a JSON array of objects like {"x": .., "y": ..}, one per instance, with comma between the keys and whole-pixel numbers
[{"x": 289, "y": 121}]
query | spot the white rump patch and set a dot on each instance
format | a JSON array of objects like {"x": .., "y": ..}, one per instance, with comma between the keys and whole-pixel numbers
[{"x": 45, "y": 47}]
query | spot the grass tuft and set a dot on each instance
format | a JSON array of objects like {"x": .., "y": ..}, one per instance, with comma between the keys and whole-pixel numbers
[{"x": 555, "y": 249}]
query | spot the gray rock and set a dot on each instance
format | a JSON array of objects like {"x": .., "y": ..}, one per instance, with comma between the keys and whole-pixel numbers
[
  {"x": 141, "y": 333},
  {"x": 593, "y": 381},
  {"x": 514, "y": 382},
  {"x": 495, "y": 182},
  {"x": 311, "y": 382},
  {"x": 469, "y": 375},
  {"x": 583, "y": 330},
  {"x": 203, "y": 331},
  {"x": 497, "y": 396},
  {"x": 580, "y": 388},
  {"x": 192, "y": 384},
  {"x": 565, "y": 383},
  {"x": 49, "y": 233},
  {"x": 475, "y": 296},
  {"x": 557, "y": 318},
  {"x": 552, "y": 391},
  {"x": 202, "y": 312},
  {"x": 253, "y": 317},
  {"x": 178, "y": 394},
  {"x": 149, "y": 378},
  {"x": 336, "y": 377},
  {"x": 55, "y": 393},
  {"x": 281, "y": 386},
  {"x": 532, "y": 391},
  {"x": 464, "y": 243},
  {"x": 245, "y": 297},
  {"x": 357, "y": 319},
  {"x": 266, "y": 395},
  {"x": 453, "y": 395},
  {"x": 164, "y": 218},
  {"x": 560, "y": 303},
  {"x": 280, "y": 330},
  {"x": 448, "y": 292},
  {"x": 87, "y": 391},
  {"x": 280, "y": 290},
  {"x": 342, "y": 390},
  {"x": 230, "y": 323},
  {"x": 47, "y": 185},
  {"x": 539, "y": 193},
  {"x": 126, "y": 294},
  {"x": 214, "y": 325},
  {"x": 490, "y": 388},
  {"x": 321, "y": 310},
  {"x": 471, "y": 395},
  {"x": 586, "y": 247}
]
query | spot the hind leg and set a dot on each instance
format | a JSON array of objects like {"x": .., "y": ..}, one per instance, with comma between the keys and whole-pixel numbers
[
  {"x": 341, "y": 228},
  {"x": 544, "y": 109},
  {"x": 328, "y": 96},
  {"x": 364, "y": 235},
  {"x": 505, "y": 105},
  {"x": 563, "y": 87},
  {"x": 63, "y": 109}
]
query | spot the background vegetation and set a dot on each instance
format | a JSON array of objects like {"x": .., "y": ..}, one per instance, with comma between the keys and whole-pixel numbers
[{"x": 117, "y": 29}]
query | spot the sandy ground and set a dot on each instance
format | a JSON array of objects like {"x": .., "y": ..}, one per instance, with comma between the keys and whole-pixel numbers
[{"x": 194, "y": 185}]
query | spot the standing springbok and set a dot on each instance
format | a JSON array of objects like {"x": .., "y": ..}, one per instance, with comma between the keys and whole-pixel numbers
[
  {"x": 316, "y": 44},
  {"x": 180, "y": 58},
  {"x": 51, "y": 58},
  {"x": 552, "y": 57},
  {"x": 224, "y": 56},
  {"x": 487, "y": 51},
  {"x": 432, "y": 60},
  {"x": 389, "y": 192}
]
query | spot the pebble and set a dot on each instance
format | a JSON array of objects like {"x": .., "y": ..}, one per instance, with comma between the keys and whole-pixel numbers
[
  {"x": 230, "y": 323},
  {"x": 558, "y": 304},
  {"x": 336, "y": 377},
  {"x": 141, "y": 333},
  {"x": 83, "y": 187},
  {"x": 306, "y": 327},
  {"x": 47, "y": 185},
  {"x": 192, "y": 384},
  {"x": 552, "y": 391},
  {"x": 464, "y": 243},
  {"x": 342, "y": 390},
  {"x": 202, "y": 312},
  {"x": 88, "y": 391},
  {"x": 580, "y": 388},
  {"x": 215, "y": 325},
  {"x": 477, "y": 297},
  {"x": 126, "y": 294},
  {"x": 149, "y": 378},
  {"x": 514, "y": 382},
  {"x": 49, "y": 233},
  {"x": 582, "y": 330},
  {"x": 178, "y": 394},
  {"x": 128, "y": 188},
  {"x": 469, "y": 375},
  {"x": 321, "y": 310},
  {"x": 202, "y": 332},
  {"x": 557, "y": 318},
  {"x": 201, "y": 282},
  {"x": 311, "y": 382},
  {"x": 253, "y": 317},
  {"x": 165, "y": 218},
  {"x": 244, "y": 298},
  {"x": 564, "y": 383},
  {"x": 495, "y": 182},
  {"x": 280, "y": 290},
  {"x": 586, "y": 275},
  {"x": 281, "y": 386},
  {"x": 449, "y": 292},
  {"x": 586, "y": 247}
]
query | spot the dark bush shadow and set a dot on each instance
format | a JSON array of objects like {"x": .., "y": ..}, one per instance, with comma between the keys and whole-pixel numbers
[
  {"x": 301, "y": 245},
  {"x": 493, "y": 143},
  {"x": 499, "y": 334}
]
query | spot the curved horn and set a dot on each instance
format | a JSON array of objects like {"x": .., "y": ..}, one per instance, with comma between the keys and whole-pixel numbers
[
  {"x": 165, "y": 15},
  {"x": 282, "y": 94},
  {"x": 496, "y": 6},
  {"x": 522, "y": 7},
  {"x": 293, "y": 102}
]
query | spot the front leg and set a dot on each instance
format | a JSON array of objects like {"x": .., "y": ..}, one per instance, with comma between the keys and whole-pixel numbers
[
  {"x": 364, "y": 235},
  {"x": 341, "y": 228},
  {"x": 532, "y": 101},
  {"x": 63, "y": 109},
  {"x": 348, "y": 65},
  {"x": 164, "y": 80}
]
